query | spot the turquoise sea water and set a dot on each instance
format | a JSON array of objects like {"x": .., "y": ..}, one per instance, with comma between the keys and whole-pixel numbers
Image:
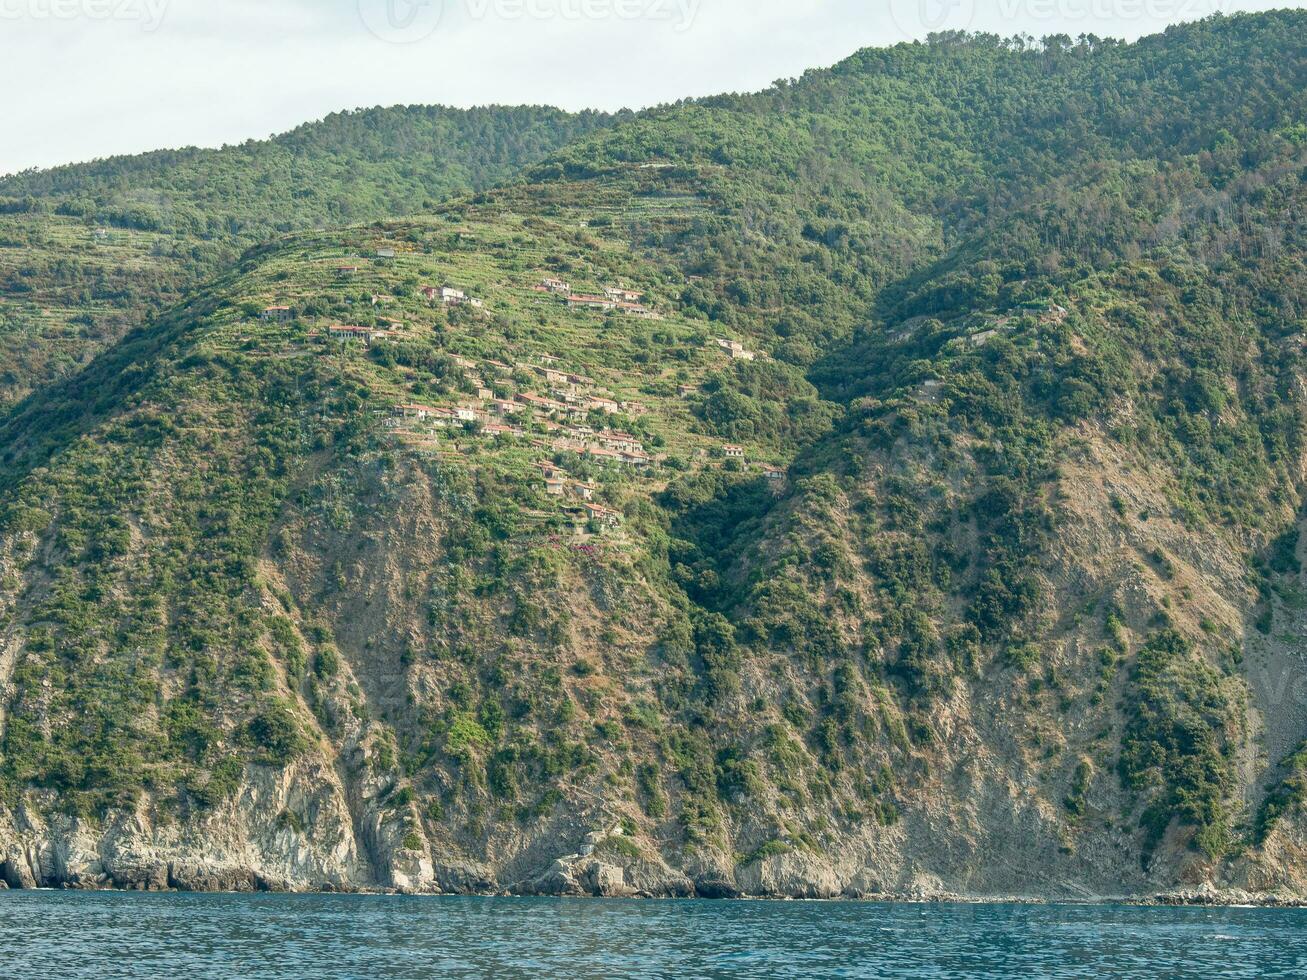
[{"x": 103, "y": 935}]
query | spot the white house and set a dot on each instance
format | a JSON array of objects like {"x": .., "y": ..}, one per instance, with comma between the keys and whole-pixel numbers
[{"x": 623, "y": 295}]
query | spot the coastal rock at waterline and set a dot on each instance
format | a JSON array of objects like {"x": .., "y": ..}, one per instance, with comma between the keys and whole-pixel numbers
[
  {"x": 655, "y": 880},
  {"x": 604, "y": 881},
  {"x": 70, "y": 860},
  {"x": 575, "y": 876},
  {"x": 16, "y": 869},
  {"x": 788, "y": 876},
  {"x": 558, "y": 881},
  {"x": 198, "y": 876},
  {"x": 141, "y": 875},
  {"x": 412, "y": 872},
  {"x": 715, "y": 884},
  {"x": 1209, "y": 894},
  {"x": 865, "y": 884},
  {"x": 463, "y": 878}
]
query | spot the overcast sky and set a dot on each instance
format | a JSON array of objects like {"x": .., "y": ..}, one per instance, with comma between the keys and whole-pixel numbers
[{"x": 91, "y": 78}]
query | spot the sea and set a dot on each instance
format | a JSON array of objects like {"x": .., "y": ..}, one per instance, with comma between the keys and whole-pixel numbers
[{"x": 109, "y": 935}]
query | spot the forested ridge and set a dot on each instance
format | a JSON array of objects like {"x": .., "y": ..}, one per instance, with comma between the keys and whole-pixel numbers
[{"x": 886, "y": 483}]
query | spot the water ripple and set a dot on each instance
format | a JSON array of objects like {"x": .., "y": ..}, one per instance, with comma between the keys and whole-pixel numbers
[{"x": 108, "y": 936}]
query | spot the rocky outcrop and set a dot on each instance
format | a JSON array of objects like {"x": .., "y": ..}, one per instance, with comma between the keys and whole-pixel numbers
[
  {"x": 464, "y": 878},
  {"x": 306, "y": 829},
  {"x": 127, "y": 856},
  {"x": 789, "y": 876},
  {"x": 282, "y": 831}
]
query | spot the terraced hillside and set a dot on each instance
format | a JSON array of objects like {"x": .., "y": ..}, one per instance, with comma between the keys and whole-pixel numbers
[
  {"x": 856, "y": 488},
  {"x": 89, "y": 251},
  {"x": 530, "y": 436},
  {"x": 70, "y": 289}
]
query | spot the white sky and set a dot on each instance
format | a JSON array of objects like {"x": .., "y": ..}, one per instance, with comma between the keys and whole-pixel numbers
[{"x": 91, "y": 78}]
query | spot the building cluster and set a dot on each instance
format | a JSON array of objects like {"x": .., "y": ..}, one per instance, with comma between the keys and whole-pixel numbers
[
  {"x": 560, "y": 419},
  {"x": 565, "y": 419},
  {"x": 542, "y": 403},
  {"x": 614, "y": 298},
  {"x": 578, "y": 497}
]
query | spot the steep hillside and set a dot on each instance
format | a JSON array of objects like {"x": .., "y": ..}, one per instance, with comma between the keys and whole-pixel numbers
[
  {"x": 91, "y": 250},
  {"x": 917, "y": 514}
]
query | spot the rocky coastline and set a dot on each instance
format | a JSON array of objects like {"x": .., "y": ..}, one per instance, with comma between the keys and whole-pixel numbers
[{"x": 571, "y": 876}]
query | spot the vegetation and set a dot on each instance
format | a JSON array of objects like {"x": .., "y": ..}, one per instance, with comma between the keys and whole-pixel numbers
[
  {"x": 1025, "y": 321},
  {"x": 1179, "y": 743},
  {"x": 91, "y": 250},
  {"x": 1286, "y": 796}
]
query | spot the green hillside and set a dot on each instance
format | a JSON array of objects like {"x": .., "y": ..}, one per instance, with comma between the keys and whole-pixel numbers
[
  {"x": 91, "y": 250},
  {"x": 926, "y": 521}
]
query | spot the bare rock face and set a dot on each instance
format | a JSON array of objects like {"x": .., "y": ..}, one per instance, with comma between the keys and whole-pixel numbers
[
  {"x": 412, "y": 872},
  {"x": 1284, "y": 856},
  {"x": 654, "y": 879},
  {"x": 464, "y": 878},
  {"x": 790, "y": 875},
  {"x": 604, "y": 881},
  {"x": 247, "y": 845},
  {"x": 715, "y": 884},
  {"x": 144, "y": 876},
  {"x": 15, "y": 866},
  {"x": 559, "y": 881},
  {"x": 341, "y": 842}
]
